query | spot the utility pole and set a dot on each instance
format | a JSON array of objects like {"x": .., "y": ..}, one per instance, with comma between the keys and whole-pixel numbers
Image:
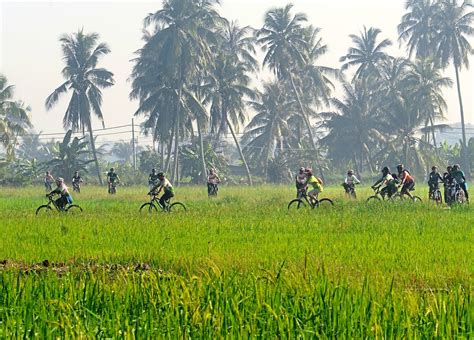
[{"x": 133, "y": 146}]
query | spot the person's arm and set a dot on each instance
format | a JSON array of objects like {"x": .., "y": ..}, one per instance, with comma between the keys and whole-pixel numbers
[
  {"x": 356, "y": 180},
  {"x": 345, "y": 180}
]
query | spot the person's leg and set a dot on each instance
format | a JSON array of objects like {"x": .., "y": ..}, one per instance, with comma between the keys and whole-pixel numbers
[
  {"x": 165, "y": 197},
  {"x": 464, "y": 188}
]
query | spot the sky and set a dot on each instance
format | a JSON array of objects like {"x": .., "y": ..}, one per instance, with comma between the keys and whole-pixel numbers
[{"x": 31, "y": 59}]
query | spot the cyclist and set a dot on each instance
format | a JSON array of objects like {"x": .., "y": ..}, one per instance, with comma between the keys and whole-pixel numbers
[
  {"x": 165, "y": 185},
  {"x": 212, "y": 181},
  {"x": 301, "y": 180},
  {"x": 407, "y": 181},
  {"x": 350, "y": 181},
  {"x": 76, "y": 181},
  {"x": 153, "y": 178},
  {"x": 448, "y": 183},
  {"x": 65, "y": 197},
  {"x": 48, "y": 181},
  {"x": 316, "y": 183},
  {"x": 434, "y": 179},
  {"x": 112, "y": 178},
  {"x": 388, "y": 183},
  {"x": 460, "y": 179}
]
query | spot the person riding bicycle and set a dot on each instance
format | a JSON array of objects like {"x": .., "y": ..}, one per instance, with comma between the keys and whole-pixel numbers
[
  {"x": 76, "y": 179},
  {"x": 153, "y": 178},
  {"x": 407, "y": 181},
  {"x": 165, "y": 185},
  {"x": 350, "y": 181},
  {"x": 387, "y": 182},
  {"x": 212, "y": 181},
  {"x": 301, "y": 180},
  {"x": 112, "y": 177},
  {"x": 448, "y": 183},
  {"x": 48, "y": 181},
  {"x": 434, "y": 179},
  {"x": 316, "y": 183},
  {"x": 460, "y": 179},
  {"x": 65, "y": 197}
]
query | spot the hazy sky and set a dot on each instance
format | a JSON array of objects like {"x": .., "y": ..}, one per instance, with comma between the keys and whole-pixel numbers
[{"x": 30, "y": 54}]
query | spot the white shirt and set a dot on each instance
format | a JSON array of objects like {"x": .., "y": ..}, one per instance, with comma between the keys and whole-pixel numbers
[{"x": 351, "y": 180}]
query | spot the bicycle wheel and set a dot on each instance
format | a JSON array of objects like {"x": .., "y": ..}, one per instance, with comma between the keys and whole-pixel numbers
[
  {"x": 373, "y": 200},
  {"x": 397, "y": 198},
  {"x": 148, "y": 208},
  {"x": 438, "y": 197},
  {"x": 417, "y": 199},
  {"x": 43, "y": 210},
  {"x": 74, "y": 209},
  {"x": 177, "y": 207},
  {"x": 324, "y": 202},
  {"x": 297, "y": 204},
  {"x": 460, "y": 198}
]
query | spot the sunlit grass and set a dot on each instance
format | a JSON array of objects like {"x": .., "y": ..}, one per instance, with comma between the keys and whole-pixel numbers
[{"x": 239, "y": 264}]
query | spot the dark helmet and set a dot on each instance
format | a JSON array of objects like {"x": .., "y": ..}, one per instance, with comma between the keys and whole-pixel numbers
[{"x": 385, "y": 170}]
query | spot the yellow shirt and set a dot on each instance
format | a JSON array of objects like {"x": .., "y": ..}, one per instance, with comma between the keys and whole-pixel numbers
[{"x": 315, "y": 183}]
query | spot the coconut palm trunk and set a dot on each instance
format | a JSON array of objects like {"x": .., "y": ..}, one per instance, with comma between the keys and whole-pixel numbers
[
  {"x": 242, "y": 157},
  {"x": 201, "y": 148},
  {"x": 307, "y": 123},
  {"x": 94, "y": 153},
  {"x": 463, "y": 126}
]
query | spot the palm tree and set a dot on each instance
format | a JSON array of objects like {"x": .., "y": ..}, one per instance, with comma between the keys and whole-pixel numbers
[
  {"x": 85, "y": 80},
  {"x": 455, "y": 28},
  {"x": 14, "y": 118},
  {"x": 366, "y": 55},
  {"x": 356, "y": 127},
  {"x": 268, "y": 131},
  {"x": 418, "y": 27},
  {"x": 174, "y": 54}
]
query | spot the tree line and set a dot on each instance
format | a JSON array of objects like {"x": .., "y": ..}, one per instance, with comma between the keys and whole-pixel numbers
[{"x": 195, "y": 82}]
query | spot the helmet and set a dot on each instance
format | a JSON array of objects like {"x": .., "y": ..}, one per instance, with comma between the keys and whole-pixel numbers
[
  {"x": 350, "y": 172},
  {"x": 309, "y": 172},
  {"x": 400, "y": 167},
  {"x": 302, "y": 169},
  {"x": 59, "y": 180},
  {"x": 385, "y": 170},
  {"x": 160, "y": 174}
]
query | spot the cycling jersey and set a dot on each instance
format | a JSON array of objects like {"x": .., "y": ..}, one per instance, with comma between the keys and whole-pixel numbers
[
  {"x": 458, "y": 176},
  {"x": 351, "y": 180},
  {"x": 315, "y": 183},
  {"x": 76, "y": 179},
  {"x": 406, "y": 177},
  {"x": 112, "y": 176},
  {"x": 434, "y": 178}
]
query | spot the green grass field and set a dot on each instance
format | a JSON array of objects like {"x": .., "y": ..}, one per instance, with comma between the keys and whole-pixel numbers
[{"x": 240, "y": 265}]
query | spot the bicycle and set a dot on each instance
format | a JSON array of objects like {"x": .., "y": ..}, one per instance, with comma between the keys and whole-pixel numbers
[
  {"x": 212, "y": 189},
  {"x": 76, "y": 186},
  {"x": 456, "y": 194},
  {"x": 48, "y": 208},
  {"x": 303, "y": 200},
  {"x": 435, "y": 195},
  {"x": 398, "y": 197},
  {"x": 377, "y": 196},
  {"x": 350, "y": 190},
  {"x": 154, "y": 204},
  {"x": 113, "y": 188}
]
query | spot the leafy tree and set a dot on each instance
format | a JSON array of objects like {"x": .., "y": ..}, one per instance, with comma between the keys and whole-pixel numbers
[
  {"x": 366, "y": 55},
  {"x": 85, "y": 80},
  {"x": 455, "y": 28},
  {"x": 14, "y": 118},
  {"x": 69, "y": 155}
]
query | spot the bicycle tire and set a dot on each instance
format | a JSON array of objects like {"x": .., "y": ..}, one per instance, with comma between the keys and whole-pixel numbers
[
  {"x": 324, "y": 202},
  {"x": 373, "y": 199},
  {"x": 43, "y": 208},
  {"x": 147, "y": 208},
  {"x": 417, "y": 199},
  {"x": 397, "y": 197},
  {"x": 73, "y": 209},
  {"x": 296, "y": 204},
  {"x": 177, "y": 207}
]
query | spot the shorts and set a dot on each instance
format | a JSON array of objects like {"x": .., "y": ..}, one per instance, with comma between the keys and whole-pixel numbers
[
  {"x": 314, "y": 192},
  {"x": 408, "y": 187}
]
